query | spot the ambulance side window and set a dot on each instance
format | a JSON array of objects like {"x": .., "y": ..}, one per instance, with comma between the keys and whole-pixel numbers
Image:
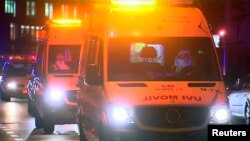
[
  {"x": 92, "y": 77},
  {"x": 100, "y": 61},
  {"x": 91, "y": 59},
  {"x": 84, "y": 57}
]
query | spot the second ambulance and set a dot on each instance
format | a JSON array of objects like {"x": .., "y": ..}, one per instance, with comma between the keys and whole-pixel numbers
[{"x": 52, "y": 89}]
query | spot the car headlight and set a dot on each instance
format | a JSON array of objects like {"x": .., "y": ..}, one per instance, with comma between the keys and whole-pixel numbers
[
  {"x": 220, "y": 114},
  {"x": 119, "y": 114},
  {"x": 12, "y": 85},
  {"x": 54, "y": 95}
]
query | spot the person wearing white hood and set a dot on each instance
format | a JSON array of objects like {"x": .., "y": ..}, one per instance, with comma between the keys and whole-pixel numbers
[
  {"x": 60, "y": 63},
  {"x": 183, "y": 60}
]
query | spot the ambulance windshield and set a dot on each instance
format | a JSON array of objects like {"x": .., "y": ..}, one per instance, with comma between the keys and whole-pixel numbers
[
  {"x": 64, "y": 58},
  {"x": 162, "y": 59}
]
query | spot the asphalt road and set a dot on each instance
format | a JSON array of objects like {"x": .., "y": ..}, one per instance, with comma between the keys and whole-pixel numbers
[{"x": 17, "y": 125}]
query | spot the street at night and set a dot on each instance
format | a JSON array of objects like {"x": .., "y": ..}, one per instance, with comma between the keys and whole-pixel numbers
[
  {"x": 124, "y": 70},
  {"x": 17, "y": 125}
]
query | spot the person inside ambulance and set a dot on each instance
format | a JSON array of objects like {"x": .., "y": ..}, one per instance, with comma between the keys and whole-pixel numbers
[
  {"x": 184, "y": 63},
  {"x": 60, "y": 63}
]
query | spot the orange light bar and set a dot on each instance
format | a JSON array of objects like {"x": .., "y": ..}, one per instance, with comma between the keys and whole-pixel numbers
[
  {"x": 66, "y": 22},
  {"x": 133, "y": 2},
  {"x": 175, "y": 2},
  {"x": 152, "y": 2}
]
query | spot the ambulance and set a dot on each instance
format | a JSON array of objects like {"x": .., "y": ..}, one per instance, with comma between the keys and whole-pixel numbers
[
  {"x": 151, "y": 73},
  {"x": 52, "y": 89}
]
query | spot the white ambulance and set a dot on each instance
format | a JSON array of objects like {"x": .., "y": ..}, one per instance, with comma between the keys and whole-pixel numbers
[
  {"x": 52, "y": 90},
  {"x": 152, "y": 73}
]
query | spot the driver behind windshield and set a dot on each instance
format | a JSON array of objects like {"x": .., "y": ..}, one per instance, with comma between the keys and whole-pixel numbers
[{"x": 60, "y": 63}]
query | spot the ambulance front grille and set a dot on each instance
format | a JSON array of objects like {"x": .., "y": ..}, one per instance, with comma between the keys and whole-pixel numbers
[{"x": 172, "y": 117}]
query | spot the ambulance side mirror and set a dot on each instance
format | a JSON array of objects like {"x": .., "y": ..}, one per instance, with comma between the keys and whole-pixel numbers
[{"x": 92, "y": 77}]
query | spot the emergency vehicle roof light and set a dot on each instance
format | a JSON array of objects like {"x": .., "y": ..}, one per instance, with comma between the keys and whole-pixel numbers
[
  {"x": 16, "y": 57},
  {"x": 67, "y": 22},
  {"x": 152, "y": 2},
  {"x": 22, "y": 57},
  {"x": 132, "y": 2},
  {"x": 175, "y": 2}
]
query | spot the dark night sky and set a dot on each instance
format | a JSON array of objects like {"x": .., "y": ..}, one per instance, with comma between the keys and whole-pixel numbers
[{"x": 214, "y": 11}]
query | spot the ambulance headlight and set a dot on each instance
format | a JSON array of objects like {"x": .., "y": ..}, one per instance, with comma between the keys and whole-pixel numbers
[
  {"x": 120, "y": 114},
  {"x": 55, "y": 95},
  {"x": 220, "y": 114},
  {"x": 12, "y": 85}
]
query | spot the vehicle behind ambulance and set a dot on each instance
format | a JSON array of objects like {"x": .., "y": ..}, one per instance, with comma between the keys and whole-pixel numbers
[
  {"x": 52, "y": 89},
  {"x": 14, "y": 76},
  {"x": 152, "y": 73}
]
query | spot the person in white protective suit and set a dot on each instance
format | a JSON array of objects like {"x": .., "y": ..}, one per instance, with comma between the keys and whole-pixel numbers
[
  {"x": 60, "y": 63},
  {"x": 183, "y": 60}
]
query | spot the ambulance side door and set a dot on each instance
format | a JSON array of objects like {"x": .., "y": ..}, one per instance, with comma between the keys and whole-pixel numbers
[{"x": 93, "y": 80}]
